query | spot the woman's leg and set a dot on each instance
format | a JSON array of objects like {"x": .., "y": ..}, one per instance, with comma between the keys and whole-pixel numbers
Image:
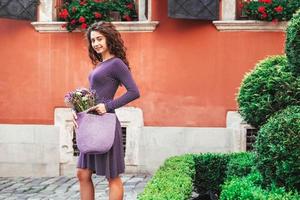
[
  {"x": 116, "y": 189},
  {"x": 86, "y": 184}
]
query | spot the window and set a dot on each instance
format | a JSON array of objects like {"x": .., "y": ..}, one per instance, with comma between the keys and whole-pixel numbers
[{"x": 47, "y": 21}]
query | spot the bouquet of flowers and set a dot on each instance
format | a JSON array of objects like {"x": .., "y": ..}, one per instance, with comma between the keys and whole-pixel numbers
[{"x": 81, "y": 99}]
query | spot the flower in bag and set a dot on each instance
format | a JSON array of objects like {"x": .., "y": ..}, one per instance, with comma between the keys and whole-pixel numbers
[{"x": 81, "y": 99}]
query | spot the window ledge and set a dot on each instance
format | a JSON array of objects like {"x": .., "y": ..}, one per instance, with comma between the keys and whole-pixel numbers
[
  {"x": 135, "y": 26},
  {"x": 250, "y": 25}
]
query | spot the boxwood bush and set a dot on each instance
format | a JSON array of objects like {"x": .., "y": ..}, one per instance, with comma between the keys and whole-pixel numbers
[
  {"x": 248, "y": 188},
  {"x": 278, "y": 149},
  {"x": 267, "y": 89},
  {"x": 172, "y": 181},
  {"x": 293, "y": 43},
  {"x": 210, "y": 172},
  {"x": 175, "y": 178},
  {"x": 240, "y": 164}
]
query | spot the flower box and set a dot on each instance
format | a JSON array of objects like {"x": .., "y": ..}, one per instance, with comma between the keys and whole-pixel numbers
[
  {"x": 267, "y": 10},
  {"x": 82, "y": 13}
]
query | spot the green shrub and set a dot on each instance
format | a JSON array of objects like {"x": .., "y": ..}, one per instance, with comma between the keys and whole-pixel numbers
[
  {"x": 172, "y": 181},
  {"x": 278, "y": 149},
  {"x": 210, "y": 172},
  {"x": 293, "y": 43},
  {"x": 243, "y": 188},
  {"x": 248, "y": 188},
  {"x": 268, "y": 88},
  {"x": 240, "y": 164}
]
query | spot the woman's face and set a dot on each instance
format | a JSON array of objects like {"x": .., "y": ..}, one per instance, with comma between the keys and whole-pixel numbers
[{"x": 99, "y": 42}]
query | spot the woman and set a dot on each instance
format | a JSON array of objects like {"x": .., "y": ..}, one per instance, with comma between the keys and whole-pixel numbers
[{"x": 107, "y": 52}]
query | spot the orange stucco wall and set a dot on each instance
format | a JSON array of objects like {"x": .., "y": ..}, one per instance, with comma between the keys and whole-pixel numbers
[{"x": 188, "y": 72}]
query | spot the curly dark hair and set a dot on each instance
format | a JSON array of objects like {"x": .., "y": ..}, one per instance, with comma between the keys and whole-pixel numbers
[{"x": 115, "y": 44}]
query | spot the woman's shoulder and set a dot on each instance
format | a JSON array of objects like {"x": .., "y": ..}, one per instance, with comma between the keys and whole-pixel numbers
[
  {"x": 117, "y": 60},
  {"x": 118, "y": 63},
  {"x": 118, "y": 67}
]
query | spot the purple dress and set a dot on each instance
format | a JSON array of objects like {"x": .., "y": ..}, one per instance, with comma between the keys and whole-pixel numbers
[{"x": 105, "y": 79}]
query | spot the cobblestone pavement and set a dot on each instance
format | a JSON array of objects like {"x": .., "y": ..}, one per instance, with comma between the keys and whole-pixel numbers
[{"x": 64, "y": 188}]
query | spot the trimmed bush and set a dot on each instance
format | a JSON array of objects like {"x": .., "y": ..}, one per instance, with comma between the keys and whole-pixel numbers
[
  {"x": 293, "y": 43},
  {"x": 267, "y": 89},
  {"x": 240, "y": 165},
  {"x": 243, "y": 188},
  {"x": 278, "y": 149},
  {"x": 172, "y": 181},
  {"x": 210, "y": 172},
  {"x": 248, "y": 188}
]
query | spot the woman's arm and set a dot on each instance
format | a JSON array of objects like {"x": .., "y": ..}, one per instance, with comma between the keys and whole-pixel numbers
[{"x": 122, "y": 73}]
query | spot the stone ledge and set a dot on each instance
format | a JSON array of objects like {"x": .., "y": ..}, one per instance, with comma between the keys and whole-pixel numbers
[
  {"x": 250, "y": 25},
  {"x": 136, "y": 26}
]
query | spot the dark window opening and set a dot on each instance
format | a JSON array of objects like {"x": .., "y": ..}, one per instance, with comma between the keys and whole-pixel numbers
[
  {"x": 75, "y": 148},
  {"x": 124, "y": 139},
  {"x": 250, "y": 138}
]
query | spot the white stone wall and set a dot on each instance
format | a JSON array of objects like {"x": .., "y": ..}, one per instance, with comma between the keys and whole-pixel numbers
[
  {"x": 160, "y": 143},
  {"x": 46, "y": 150},
  {"x": 29, "y": 150}
]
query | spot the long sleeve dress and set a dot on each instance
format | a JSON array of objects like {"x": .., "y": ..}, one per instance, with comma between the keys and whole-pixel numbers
[{"x": 105, "y": 80}]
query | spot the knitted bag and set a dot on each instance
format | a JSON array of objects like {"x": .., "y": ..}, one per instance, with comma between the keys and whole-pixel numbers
[{"x": 95, "y": 133}]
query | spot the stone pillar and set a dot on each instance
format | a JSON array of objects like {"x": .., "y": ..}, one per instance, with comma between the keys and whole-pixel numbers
[
  {"x": 239, "y": 128},
  {"x": 63, "y": 120},
  {"x": 141, "y": 10},
  {"x": 46, "y": 11},
  {"x": 228, "y": 10}
]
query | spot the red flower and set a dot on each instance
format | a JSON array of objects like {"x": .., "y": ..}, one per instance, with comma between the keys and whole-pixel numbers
[
  {"x": 264, "y": 15},
  {"x": 81, "y": 19},
  {"x": 241, "y": 5},
  {"x": 64, "y": 25},
  {"x": 73, "y": 21},
  {"x": 64, "y": 14},
  {"x": 127, "y": 17},
  {"x": 265, "y": 1},
  {"x": 261, "y": 9},
  {"x": 84, "y": 26},
  {"x": 97, "y": 15},
  {"x": 82, "y": 2},
  {"x": 74, "y": 9},
  {"x": 278, "y": 9},
  {"x": 130, "y": 6}
]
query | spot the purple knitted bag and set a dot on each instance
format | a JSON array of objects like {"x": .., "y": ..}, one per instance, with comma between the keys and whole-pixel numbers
[{"x": 95, "y": 133}]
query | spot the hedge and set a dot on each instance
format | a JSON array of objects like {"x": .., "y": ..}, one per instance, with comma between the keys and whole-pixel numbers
[
  {"x": 292, "y": 48},
  {"x": 240, "y": 165},
  {"x": 267, "y": 89},
  {"x": 278, "y": 149},
  {"x": 230, "y": 176},
  {"x": 172, "y": 181},
  {"x": 248, "y": 188},
  {"x": 210, "y": 172}
]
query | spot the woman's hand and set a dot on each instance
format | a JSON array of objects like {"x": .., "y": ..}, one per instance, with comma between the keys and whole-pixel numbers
[
  {"x": 74, "y": 119},
  {"x": 100, "y": 108}
]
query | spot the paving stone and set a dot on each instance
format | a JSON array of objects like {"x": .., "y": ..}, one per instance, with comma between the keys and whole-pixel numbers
[{"x": 65, "y": 188}]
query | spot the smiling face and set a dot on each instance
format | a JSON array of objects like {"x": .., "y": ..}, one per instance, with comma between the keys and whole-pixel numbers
[{"x": 98, "y": 42}]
